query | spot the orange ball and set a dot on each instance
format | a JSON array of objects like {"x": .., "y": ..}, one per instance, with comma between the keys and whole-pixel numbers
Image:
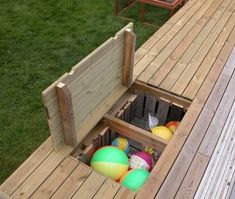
[{"x": 172, "y": 126}]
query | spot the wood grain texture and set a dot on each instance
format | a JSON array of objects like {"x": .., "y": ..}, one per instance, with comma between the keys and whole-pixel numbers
[
  {"x": 191, "y": 146},
  {"x": 66, "y": 112},
  {"x": 108, "y": 190},
  {"x": 193, "y": 177},
  {"x": 90, "y": 186},
  {"x": 173, "y": 148},
  {"x": 186, "y": 59},
  {"x": 166, "y": 67},
  {"x": 172, "y": 45},
  {"x": 4, "y": 195},
  {"x": 135, "y": 133},
  {"x": 86, "y": 82},
  {"x": 129, "y": 55},
  {"x": 57, "y": 177},
  {"x": 27, "y": 168},
  {"x": 160, "y": 43},
  {"x": 73, "y": 182},
  {"x": 31, "y": 184},
  {"x": 124, "y": 193},
  {"x": 218, "y": 175},
  {"x": 215, "y": 40}
]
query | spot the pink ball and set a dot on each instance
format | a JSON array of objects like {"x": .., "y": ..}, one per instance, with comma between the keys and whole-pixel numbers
[{"x": 141, "y": 160}]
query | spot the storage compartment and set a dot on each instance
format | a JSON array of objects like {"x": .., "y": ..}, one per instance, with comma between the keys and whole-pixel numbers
[{"x": 128, "y": 118}]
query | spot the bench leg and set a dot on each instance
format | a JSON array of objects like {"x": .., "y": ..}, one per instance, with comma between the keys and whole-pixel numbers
[
  {"x": 116, "y": 7},
  {"x": 142, "y": 12}
]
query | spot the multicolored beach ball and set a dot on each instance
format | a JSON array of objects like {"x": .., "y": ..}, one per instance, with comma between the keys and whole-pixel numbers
[
  {"x": 141, "y": 160},
  {"x": 121, "y": 143},
  {"x": 134, "y": 179},
  {"x": 110, "y": 161}
]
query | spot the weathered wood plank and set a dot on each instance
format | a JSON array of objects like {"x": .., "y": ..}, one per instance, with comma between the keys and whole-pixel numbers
[
  {"x": 31, "y": 184},
  {"x": 73, "y": 182},
  {"x": 129, "y": 53},
  {"x": 135, "y": 133},
  {"x": 172, "y": 45},
  {"x": 4, "y": 195},
  {"x": 27, "y": 168},
  {"x": 162, "y": 111},
  {"x": 163, "y": 41},
  {"x": 124, "y": 193},
  {"x": 221, "y": 163},
  {"x": 197, "y": 134},
  {"x": 90, "y": 186},
  {"x": 160, "y": 74},
  {"x": 174, "y": 74},
  {"x": 193, "y": 177},
  {"x": 66, "y": 112},
  {"x": 108, "y": 190},
  {"x": 53, "y": 182},
  {"x": 173, "y": 148},
  {"x": 213, "y": 43}
]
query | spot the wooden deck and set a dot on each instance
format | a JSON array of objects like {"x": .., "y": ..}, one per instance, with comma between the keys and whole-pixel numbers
[{"x": 192, "y": 56}]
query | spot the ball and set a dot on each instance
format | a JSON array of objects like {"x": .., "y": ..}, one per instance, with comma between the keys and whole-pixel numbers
[
  {"x": 162, "y": 132},
  {"x": 110, "y": 161},
  {"x": 141, "y": 160},
  {"x": 134, "y": 179},
  {"x": 172, "y": 126},
  {"x": 121, "y": 143}
]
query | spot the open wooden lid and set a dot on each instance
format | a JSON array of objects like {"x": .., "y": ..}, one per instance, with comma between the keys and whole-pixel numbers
[{"x": 77, "y": 101}]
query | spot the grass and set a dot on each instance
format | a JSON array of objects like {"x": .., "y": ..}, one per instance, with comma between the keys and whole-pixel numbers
[{"x": 39, "y": 41}]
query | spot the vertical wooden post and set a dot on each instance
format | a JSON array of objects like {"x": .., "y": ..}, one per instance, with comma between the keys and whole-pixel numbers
[
  {"x": 66, "y": 111},
  {"x": 129, "y": 54}
]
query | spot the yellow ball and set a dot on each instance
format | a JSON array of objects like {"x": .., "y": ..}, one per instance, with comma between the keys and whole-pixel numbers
[{"x": 162, "y": 132}]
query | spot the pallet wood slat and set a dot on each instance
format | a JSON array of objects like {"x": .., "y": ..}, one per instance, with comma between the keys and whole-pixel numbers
[
  {"x": 73, "y": 182},
  {"x": 162, "y": 94},
  {"x": 135, "y": 133},
  {"x": 162, "y": 112},
  {"x": 54, "y": 181},
  {"x": 27, "y": 168},
  {"x": 138, "y": 104}
]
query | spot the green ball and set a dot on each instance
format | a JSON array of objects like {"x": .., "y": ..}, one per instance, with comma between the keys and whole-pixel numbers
[
  {"x": 110, "y": 161},
  {"x": 134, "y": 179}
]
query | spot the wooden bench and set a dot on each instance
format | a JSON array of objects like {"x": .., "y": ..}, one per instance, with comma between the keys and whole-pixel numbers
[
  {"x": 207, "y": 157},
  {"x": 170, "y": 5}
]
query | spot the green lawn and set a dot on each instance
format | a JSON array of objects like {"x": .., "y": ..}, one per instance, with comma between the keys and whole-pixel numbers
[{"x": 39, "y": 41}]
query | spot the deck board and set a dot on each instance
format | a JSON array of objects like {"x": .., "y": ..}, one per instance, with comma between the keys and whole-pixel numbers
[
  {"x": 57, "y": 177},
  {"x": 182, "y": 64},
  {"x": 187, "y": 57},
  {"x": 27, "y": 168},
  {"x": 73, "y": 182},
  {"x": 89, "y": 188}
]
